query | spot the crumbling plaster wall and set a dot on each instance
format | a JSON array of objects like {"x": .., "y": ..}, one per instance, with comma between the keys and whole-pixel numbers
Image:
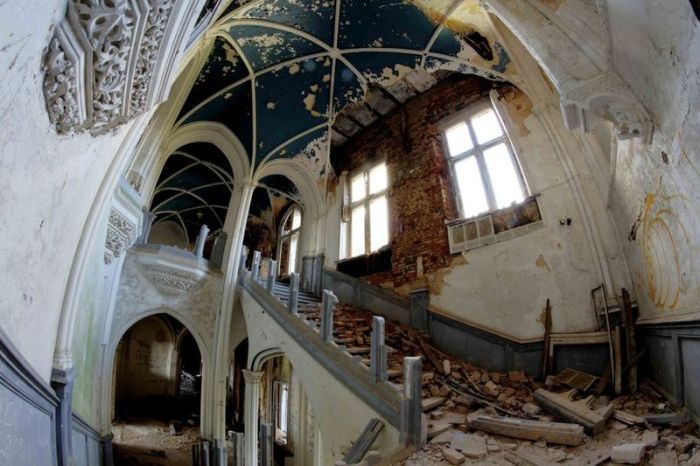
[
  {"x": 49, "y": 184},
  {"x": 89, "y": 328},
  {"x": 145, "y": 361},
  {"x": 501, "y": 287},
  {"x": 656, "y": 197}
]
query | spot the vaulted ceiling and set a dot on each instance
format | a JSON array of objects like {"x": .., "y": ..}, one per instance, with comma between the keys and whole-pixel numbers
[
  {"x": 194, "y": 189},
  {"x": 280, "y": 71}
]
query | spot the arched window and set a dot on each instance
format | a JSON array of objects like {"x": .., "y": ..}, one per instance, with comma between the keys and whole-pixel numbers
[{"x": 288, "y": 247}]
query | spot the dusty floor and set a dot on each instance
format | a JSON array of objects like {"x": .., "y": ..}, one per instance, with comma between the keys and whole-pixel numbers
[
  {"x": 594, "y": 451},
  {"x": 148, "y": 442}
]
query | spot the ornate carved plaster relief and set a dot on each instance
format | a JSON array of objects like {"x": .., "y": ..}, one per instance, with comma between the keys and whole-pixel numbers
[
  {"x": 111, "y": 60},
  {"x": 124, "y": 224}
]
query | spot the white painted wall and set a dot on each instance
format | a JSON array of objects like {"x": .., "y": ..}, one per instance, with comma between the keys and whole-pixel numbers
[
  {"x": 339, "y": 423},
  {"x": 145, "y": 360},
  {"x": 48, "y": 185},
  {"x": 503, "y": 287},
  {"x": 656, "y": 49}
]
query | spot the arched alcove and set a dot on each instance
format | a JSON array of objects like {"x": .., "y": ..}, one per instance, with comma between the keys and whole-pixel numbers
[
  {"x": 274, "y": 202},
  {"x": 192, "y": 196},
  {"x": 157, "y": 389}
]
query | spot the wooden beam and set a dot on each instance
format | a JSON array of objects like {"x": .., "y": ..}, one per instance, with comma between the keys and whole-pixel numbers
[
  {"x": 563, "y": 405},
  {"x": 630, "y": 341},
  {"x": 550, "y": 432}
]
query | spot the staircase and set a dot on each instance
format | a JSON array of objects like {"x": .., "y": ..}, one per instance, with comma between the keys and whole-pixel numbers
[{"x": 343, "y": 350}]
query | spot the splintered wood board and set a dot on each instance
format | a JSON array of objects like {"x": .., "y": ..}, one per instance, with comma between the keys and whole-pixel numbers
[{"x": 576, "y": 379}]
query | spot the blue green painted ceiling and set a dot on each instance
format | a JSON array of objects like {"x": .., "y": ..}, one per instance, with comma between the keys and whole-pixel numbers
[{"x": 280, "y": 71}]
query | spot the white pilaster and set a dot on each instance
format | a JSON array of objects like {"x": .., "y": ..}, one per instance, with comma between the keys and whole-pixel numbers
[{"x": 251, "y": 411}]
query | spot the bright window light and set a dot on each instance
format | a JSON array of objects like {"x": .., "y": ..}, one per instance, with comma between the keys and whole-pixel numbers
[
  {"x": 296, "y": 219},
  {"x": 458, "y": 139},
  {"x": 485, "y": 171},
  {"x": 379, "y": 224},
  {"x": 504, "y": 176},
  {"x": 358, "y": 188},
  {"x": 486, "y": 126},
  {"x": 470, "y": 187},
  {"x": 367, "y": 229},
  {"x": 378, "y": 180},
  {"x": 357, "y": 232}
]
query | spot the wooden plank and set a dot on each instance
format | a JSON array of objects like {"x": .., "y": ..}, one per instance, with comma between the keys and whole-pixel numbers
[
  {"x": 627, "y": 418},
  {"x": 551, "y": 432},
  {"x": 547, "y": 359},
  {"x": 575, "y": 411},
  {"x": 630, "y": 341},
  {"x": 582, "y": 338},
  {"x": 364, "y": 442},
  {"x": 432, "y": 403},
  {"x": 604, "y": 380},
  {"x": 617, "y": 366},
  {"x": 576, "y": 379},
  {"x": 521, "y": 459}
]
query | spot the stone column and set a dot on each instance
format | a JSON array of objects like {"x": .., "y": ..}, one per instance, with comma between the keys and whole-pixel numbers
[
  {"x": 271, "y": 276},
  {"x": 146, "y": 225},
  {"x": 411, "y": 405},
  {"x": 378, "y": 351},
  {"x": 255, "y": 267},
  {"x": 267, "y": 442},
  {"x": 201, "y": 241},
  {"x": 238, "y": 446},
  {"x": 419, "y": 309},
  {"x": 307, "y": 272},
  {"x": 214, "y": 395},
  {"x": 244, "y": 257},
  {"x": 327, "y": 309},
  {"x": 251, "y": 415},
  {"x": 62, "y": 383},
  {"x": 317, "y": 273},
  {"x": 217, "y": 254},
  {"x": 293, "y": 293}
]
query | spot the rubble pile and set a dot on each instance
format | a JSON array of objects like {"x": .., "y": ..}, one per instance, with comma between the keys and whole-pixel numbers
[{"x": 475, "y": 416}]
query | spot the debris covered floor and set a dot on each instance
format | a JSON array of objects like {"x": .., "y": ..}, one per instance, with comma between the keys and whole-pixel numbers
[
  {"x": 151, "y": 442},
  {"x": 548, "y": 423}
]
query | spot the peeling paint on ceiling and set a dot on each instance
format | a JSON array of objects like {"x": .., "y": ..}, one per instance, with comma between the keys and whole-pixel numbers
[{"x": 280, "y": 71}]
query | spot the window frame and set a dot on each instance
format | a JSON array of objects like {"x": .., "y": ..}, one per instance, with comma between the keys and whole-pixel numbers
[
  {"x": 281, "y": 406},
  {"x": 349, "y": 204},
  {"x": 289, "y": 235},
  {"x": 477, "y": 151}
]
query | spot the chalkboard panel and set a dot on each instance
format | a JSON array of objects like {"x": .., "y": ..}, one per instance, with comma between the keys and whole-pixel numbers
[{"x": 27, "y": 413}]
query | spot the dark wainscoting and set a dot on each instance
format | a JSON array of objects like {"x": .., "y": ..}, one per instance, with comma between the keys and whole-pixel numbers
[
  {"x": 27, "y": 412},
  {"x": 496, "y": 353},
  {"x": 86, "y": 444},
  {"x": 674, "y": 361}
]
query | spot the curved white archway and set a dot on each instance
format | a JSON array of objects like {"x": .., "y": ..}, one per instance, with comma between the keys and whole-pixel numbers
[
  {"x": 313, "y": 204},
  {"x": 210, "y": 132},
  {"x": 105, "y": 411}
]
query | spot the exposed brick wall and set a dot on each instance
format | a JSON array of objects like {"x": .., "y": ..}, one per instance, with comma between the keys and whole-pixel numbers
[{"x": 421, "y": 195}]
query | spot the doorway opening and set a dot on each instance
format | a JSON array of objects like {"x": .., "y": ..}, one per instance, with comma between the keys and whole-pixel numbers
[{"x": 157, "y": 388}]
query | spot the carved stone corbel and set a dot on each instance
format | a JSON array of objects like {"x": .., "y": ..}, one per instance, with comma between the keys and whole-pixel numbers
[
  {"x": 124, "y": 224},
  {"x": 111, "y": 60},
  {"x": 606, "y": 96}
]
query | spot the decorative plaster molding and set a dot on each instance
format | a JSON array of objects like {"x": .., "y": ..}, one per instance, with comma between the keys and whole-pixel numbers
[
  {"x": 610, "y": 98},
  {"x": 121, "y": 233},
  {"x": 124, "y": 224},
  {"x": 111, "y": 60},
  {"x": 171, "y": 280}
]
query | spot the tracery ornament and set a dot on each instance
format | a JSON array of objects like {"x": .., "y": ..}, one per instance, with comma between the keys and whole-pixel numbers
[
  {"x": 171, "y": 280},
  {"x": 111, "y": 60},
  {"x": 121, "y": 234}
]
